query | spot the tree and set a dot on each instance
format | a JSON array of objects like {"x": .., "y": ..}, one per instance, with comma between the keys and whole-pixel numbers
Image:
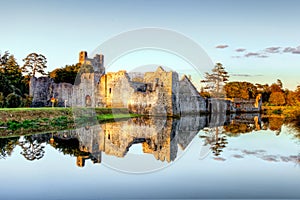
[
  {"x": 277, "y": 98},
  {"x": 216, "y": 139},
  {"x": 4, "y": 58},
  {"x": 13, "y": 73},
  {"x": 244, "y": 90},
  {"x": 275, "y": 88},
  {"x": 216, "y": 80},
  {"x": 32, "y": 149},
  {"x": 34, "y": 63},
  {"x": 67, "y": 74},
  {"x": 7, "y": 146},
  {"x": 291, "y": 98},
  {"x": 6, "y": 88},
  {"x": 298, "y": 93},
  {"x": 279, "y": 83}
]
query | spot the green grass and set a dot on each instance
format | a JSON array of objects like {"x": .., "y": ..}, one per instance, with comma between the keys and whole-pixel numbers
[
  {"x": 286, "y": 111},
  {"x": 115, "y": 116},
  {"x": 34, "y": 109},
  {"x": 23, "y": 121}
]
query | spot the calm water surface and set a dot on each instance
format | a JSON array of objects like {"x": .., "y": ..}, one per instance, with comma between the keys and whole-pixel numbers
[{"x": 243, "y": 156}]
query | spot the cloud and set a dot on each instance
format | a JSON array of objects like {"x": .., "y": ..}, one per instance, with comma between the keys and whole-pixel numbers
[
  {"x": 273, "y": 49},
  {"x": 262, "y": 154},
  {"x": 264, "y": 53},
  {"x": 240, "y": 50},
  {"x": 289, "y": 49},
  {"x": 255, "y": 54},
  {"x": 219, "y": 159},
  {"x": 251, "y": 54},
  {"x": 296, "y": 52},
  {"x": 262, "y": 56},
  {"x": 293, "y": 50},
  {"x": 238, "y": 156},
  {"x": 271, "y": 158},
  {"x": 222, "y": 46},
  {"x": 246, "y": 75}
]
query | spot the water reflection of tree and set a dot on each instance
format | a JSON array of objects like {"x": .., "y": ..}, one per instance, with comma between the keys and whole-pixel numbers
[
  {"x": 275, "y": 124},
  {"x": 68, "y": 146},
  {"x": 7, "y": 146},
  {"x": 32, "y": 148},
  {"x": 216, "y": 138},
  {"x": 294, "y": 125},
  {"x": 235, "y": 129}
]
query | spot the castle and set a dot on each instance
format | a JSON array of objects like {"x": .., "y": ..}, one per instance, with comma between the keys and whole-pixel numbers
[{"x": 157, "y": 93}]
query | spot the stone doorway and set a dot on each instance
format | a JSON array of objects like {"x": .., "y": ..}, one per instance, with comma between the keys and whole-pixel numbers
[{"x": 88, "y": 101}]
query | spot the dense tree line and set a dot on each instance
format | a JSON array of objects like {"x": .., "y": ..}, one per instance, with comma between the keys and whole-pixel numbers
[
  {"x": 217, "y": 85},
  {"x": 271, "y": 95}
]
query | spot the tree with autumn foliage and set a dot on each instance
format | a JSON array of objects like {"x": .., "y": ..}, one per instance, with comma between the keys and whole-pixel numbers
[
  {"x": 277, "y": 99},
  {"x": 277, "y": 96},
  {"x": 243, "y": 90}
]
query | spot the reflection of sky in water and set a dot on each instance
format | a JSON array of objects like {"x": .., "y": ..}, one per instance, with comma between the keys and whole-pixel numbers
[{"x": 248, "y": 176}]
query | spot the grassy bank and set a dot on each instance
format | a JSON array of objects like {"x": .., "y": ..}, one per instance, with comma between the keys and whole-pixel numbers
[
  {"x": 286, "y": 111},
  {"x": 22, "y": 121},
  {"x": 22, "y": 114}
]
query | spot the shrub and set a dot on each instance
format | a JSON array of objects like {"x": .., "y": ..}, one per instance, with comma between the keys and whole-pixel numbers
[{"x": 13, "y": 100}]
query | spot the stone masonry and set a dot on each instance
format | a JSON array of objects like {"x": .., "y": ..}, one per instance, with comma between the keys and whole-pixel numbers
[
  {"x": 158, "y": 93},
  {"x": 155, "y": 93}
]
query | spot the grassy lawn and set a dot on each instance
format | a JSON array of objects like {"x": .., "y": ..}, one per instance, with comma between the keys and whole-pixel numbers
[
  {"x": 21, "y": 114},
  {"x": 33, "y": 120}
]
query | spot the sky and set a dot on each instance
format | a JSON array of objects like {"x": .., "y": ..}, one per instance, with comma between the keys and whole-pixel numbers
[{"x": 256, "y": 41}]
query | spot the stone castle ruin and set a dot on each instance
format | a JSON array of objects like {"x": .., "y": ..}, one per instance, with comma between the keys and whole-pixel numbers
[{"x": 154, "y": 93}]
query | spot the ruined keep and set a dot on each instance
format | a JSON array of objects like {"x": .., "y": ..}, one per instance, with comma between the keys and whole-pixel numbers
[{"x": 156, "y": 93}]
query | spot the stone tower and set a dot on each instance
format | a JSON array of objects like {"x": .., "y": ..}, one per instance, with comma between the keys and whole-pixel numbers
[
  {"x": 97, "y": 62},
  {"x": 82, "y": 57}
]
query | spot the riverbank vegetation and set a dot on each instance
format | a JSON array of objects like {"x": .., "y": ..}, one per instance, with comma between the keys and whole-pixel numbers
[{"x": 25, "y": 120}]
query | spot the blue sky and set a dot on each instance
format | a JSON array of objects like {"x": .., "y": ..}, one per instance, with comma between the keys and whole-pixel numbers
[{"x": 60, "y": 29}]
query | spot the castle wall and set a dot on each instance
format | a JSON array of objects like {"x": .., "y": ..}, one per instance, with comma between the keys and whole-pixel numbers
[
  {"x": 84, "y": 93},
  {"x": 62, "y": 92},
  {"x": 190, "y": 101},
  {"x": 39, "y": 90},
  {"x": 165, "y": 84},
  {"x": 150, "y": 103},
  {"x": 115, "y": 89}
]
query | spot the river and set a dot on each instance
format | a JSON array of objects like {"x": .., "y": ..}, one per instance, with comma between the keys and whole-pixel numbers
[{"x": 218, "y": 156}]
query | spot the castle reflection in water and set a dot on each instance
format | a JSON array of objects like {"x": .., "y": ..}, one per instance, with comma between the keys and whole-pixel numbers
[{"x": 160, "y": 137}]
